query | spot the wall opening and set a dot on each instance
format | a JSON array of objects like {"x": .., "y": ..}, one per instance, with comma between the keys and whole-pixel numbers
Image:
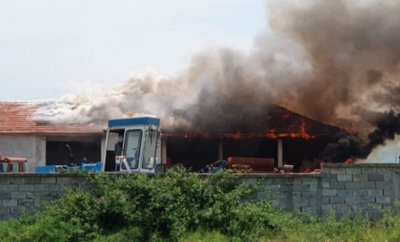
[{"x": 86, "y": 149}]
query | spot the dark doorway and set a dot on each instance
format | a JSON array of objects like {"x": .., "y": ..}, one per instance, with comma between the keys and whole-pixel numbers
[{"x": 58, "y": 153}]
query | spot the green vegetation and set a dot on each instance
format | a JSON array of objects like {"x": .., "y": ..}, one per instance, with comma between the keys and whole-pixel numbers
[{"x": 181, "y": 206}]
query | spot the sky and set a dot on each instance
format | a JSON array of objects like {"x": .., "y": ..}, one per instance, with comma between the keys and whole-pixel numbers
[{"x": 48, "y": 46}]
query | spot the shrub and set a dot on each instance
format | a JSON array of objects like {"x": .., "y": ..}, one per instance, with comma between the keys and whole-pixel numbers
[{"x": 183, "y": 206}]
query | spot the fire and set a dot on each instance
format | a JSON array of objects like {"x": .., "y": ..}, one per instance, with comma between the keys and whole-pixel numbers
[
  {"x": 311, "y": 170},
  {"x": 303, "y": 131},
  {"x": 295, "y": 131},
  {"x": 349, "y": 161}
]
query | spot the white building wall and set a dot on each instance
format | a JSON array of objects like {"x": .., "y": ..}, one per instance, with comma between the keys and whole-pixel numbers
[{"x": 29, "y": 146}]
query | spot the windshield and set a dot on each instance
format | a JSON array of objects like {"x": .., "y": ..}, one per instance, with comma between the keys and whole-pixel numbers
[
  {"x": 151, "y": 144},
  {"x": 132, "y": 147}
]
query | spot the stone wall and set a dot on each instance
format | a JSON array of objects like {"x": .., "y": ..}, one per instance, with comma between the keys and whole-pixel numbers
[
  {"x": 26, "y": 193},
  {"x": 341, "y": 189}
]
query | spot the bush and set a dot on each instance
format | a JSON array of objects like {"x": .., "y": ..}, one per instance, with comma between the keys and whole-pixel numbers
[
  {"x": 182, "y": 206},
  {"x": 165, "y": 207}
]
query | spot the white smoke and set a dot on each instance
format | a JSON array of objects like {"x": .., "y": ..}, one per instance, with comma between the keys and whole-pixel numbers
[{"x": 335, "y": 61}]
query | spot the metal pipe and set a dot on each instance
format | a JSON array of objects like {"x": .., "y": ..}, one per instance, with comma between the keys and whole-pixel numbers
[{"x": 280, "y": 153}]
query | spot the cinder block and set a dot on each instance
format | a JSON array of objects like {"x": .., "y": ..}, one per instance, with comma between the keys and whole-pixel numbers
[
  {"x": 326, "y": 170},
  {"x": 387, "y": 173},
  {"x": 375, "y": 177},
  {"x": 4, "y": 180},
  {"x": 301, "y": 187},
  {"x": 264, "y": 195},
  {"x": 16, "y": 180},
  {"x": 41, "y": 187},
  {"x": 10, "y": 203},
  {"x": 4, "y": 211},
  {"x": 338, "y": 171},
  {"x": 360, "y": 193},
  {"x": 310, "y": 181},
  {"x": 266, "y": 181},
  {"x": 383, "y": 200},
  {"x": 277, "y": 181},
  {"x": 59, "y": 187},
  {"x": 300, "y": 203},
  {"x": 367, "y": 199},
  {"x": 310, "y": 210},
  {"x": 25, "y": 188},
  {"x": 66, "y": 180},
  {"x": 48, "y": 180},
  {"x": 352, "y": 200},
  {"x": 353, "y": 170},
  {"x": 18, "y": 195},
  {"x": 346, "y": 177},
  {"x": 367, "y": 185},
  {"x": 32, "y": 180},
  {"x": 10, "y": 188},
  {"x": 329, "y": 192},
  {"x": 345, "y": 193},
  {"x": 360, "y": 177},
  {"x": 375, "y": 192},
  {"x": 5, "y": 195},
  {"x": 329, "y": 177},
  {"x": 336, "y": 200},
  {"x": 25, "y": 202},
  {"x": 383, "y": 184},
  {"x": 249, "y": 180},
  {"x": 325, "y": 184},
  {"x": 313, "y": 188},
  {"x": 10, "y": 217},
  {"x": 17, "y": 210},
  {"x": 368, "y": 170},
  {"x": 352, "y": 185},
  {"x": 336, "y": 185},
  {"x": 387, "y": 191},
  {"x": 308, "y": 195},
  {"x": 275, "y": 187},
  {"x": 325, "y": 200}
]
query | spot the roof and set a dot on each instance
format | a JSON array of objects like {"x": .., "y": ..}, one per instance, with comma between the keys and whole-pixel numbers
[
  {"x": 18, "y": 118},
  {"x": 273, "y": 122},
  {"x": 134, "y": 121}
]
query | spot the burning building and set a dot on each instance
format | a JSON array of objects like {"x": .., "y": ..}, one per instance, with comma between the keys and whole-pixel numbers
[
  {"x": 341, "y": 69},
  {"x": 277, "y": 133}
]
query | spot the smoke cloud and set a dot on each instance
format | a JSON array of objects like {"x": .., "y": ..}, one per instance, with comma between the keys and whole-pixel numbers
[{"x": 334, "y": 61}]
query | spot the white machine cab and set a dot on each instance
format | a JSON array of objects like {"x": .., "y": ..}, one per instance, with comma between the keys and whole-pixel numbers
[{"x": 133, "y": 145}]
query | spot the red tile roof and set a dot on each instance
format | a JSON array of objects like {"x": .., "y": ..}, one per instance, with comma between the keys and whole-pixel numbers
[{"x": 17, "y": 118}]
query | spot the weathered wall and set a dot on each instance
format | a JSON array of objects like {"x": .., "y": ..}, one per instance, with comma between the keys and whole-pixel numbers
[
  {"x": 26, "y": 193},
  {"x": 340, "y": 188},
  {"x": 29, "y": 146}
]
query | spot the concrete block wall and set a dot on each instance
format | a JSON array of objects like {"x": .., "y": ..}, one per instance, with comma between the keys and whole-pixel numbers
[
  {"x": 359, "y": 187},
  {"x": 340, "y": 188},
  {"x": 288, "y": 191},
  {"x": 27, "y": 193}
]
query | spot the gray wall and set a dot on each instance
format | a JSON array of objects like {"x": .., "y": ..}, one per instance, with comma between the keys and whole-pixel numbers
[
  {"x": 29, "y": 146},
  {"x": 342, "y": 189}
]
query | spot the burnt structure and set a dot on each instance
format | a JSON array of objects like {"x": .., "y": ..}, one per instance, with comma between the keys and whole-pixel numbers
[{"x": 277, "y": 133}]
